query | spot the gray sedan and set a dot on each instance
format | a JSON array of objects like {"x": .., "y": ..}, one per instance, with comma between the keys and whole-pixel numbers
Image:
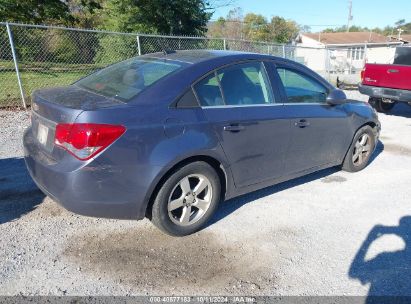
[{"x": 169, "y": 135}]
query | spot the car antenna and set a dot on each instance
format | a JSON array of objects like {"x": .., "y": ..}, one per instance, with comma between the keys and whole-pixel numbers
[
  {"x": 163, "y": 48},
  {"x": 166, "y": 52}
]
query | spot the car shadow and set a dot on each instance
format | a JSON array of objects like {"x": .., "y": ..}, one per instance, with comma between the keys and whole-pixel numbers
[
  {"x": 18, "y": 193},
  {"x": 400, "y": 109},
  {"x": 230, "y": 206},
  {"x": 388, "y": 273}
]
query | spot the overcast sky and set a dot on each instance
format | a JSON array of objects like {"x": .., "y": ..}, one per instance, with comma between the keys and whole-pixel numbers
[{"x": 320, "y": 14}]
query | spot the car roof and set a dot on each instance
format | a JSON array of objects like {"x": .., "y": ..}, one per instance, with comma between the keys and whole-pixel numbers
[
  {"x": 196, "y": 56},
  {"x": 196, "y": 64}
]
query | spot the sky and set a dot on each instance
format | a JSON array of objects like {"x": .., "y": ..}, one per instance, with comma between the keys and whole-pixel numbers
[{"x": 320, "y": 14}]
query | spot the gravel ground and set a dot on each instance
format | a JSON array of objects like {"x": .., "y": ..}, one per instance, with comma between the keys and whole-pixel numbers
[{"x": 301, "y": 237}]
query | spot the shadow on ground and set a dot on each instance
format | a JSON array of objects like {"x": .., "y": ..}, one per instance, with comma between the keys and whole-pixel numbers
[
  {"x": 228, "y": 207},
  {"x": 401, "y": 109},
  {"x": 18, "y": 193},
  {"x": 389, "y": 273}
]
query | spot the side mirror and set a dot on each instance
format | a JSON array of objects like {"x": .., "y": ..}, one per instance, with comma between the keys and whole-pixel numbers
[{"x": 336, "y": 97}]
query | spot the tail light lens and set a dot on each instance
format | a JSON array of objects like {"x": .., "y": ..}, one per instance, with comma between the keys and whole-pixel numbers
[{"x": 85, "y": 140}]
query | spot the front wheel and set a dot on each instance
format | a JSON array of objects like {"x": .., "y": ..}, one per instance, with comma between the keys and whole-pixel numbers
[
  {"x": 381, "y": 105},
  {"x": 187, "y": 199},
  {"x": 360, "y": 151}
]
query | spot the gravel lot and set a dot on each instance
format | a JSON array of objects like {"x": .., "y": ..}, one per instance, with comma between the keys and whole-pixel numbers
[{"x": 297, "y": 238}]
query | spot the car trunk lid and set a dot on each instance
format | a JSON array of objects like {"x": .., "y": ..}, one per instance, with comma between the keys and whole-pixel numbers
[{"x": 61, "y": 105}]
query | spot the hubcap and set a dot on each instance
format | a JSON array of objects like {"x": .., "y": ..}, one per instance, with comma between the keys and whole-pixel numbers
[
  {"x": 362, "y": 150},
  {"x": 190, "y": 199}
]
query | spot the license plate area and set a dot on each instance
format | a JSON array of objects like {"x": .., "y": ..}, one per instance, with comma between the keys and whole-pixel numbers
[
  {"x": 43, "y": 131},
  {"x": 42, "y": 134}
]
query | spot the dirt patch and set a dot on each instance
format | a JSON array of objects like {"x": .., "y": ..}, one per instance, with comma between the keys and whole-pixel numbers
[
  {"x": 49, "y": 208},
  {"x": 334, "y": 179},
  {"x": 148, "y": 259},
  {"x": 397, "y": 149}
]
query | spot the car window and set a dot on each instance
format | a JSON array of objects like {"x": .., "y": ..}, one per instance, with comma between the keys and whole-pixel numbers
[
  {"x": 246, "y": 84},
  {"x": 208, "y": 91},
  {"x": 127, "y": 79},
  {"x": 301, "y": 88}
]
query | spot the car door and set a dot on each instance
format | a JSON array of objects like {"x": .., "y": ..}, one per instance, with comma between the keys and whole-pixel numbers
[
  {"x": 319, "y": 131},
  {"x": 242, "y": 108}
]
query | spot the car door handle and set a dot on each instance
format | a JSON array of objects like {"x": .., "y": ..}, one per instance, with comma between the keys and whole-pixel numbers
[
  {"x": 393, "y": 71},
  {"x": 234, "y": 128},
  {"x": 302, "y": 123}
]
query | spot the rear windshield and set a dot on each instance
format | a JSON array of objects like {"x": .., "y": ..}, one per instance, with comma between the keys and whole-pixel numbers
[{"x": 126, "y": 79}]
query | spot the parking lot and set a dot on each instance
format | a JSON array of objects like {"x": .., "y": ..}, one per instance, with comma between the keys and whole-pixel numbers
[{"x": 302, "y": 237}]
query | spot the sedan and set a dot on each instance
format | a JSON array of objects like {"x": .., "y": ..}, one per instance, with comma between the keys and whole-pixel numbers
[{"x": 169, "y": 135}]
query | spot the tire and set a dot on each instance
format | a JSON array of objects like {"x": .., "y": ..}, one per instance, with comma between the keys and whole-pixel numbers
[
  {"x": 357, "y": 158},
  {"x": 177, "y": 209},
  {"x": 340, "y": 84},
  {"x": 380, "y": 106}
]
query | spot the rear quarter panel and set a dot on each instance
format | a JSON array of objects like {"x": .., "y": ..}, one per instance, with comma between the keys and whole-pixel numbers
[{"x": 157, "y": 138}]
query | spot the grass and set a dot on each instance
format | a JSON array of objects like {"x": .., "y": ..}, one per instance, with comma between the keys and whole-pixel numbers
[{"x": 31, "y": 80}]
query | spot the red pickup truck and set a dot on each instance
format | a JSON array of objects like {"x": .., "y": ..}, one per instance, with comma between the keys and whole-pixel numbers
[{"x": 387, "y": 84}]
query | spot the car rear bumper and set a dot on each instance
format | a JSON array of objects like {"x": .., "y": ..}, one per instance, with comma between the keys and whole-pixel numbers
[
  {"x": 92, "y": 190},
  {"x": 379, "y": 92}
]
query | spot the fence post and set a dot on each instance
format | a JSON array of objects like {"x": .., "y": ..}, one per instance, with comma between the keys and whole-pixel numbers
[
  {"x": 283, "y": 50},
  {"x": 225, "y": 45},
  {"x": 16, "y": 67},
  {"x": 138, "y": 45},
  {"x": 328, "y": 63}
]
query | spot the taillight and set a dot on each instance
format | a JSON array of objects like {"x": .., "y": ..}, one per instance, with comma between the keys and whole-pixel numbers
[
  {"x": 362, "y": 74},
  {"x": 85, "y": 140}
]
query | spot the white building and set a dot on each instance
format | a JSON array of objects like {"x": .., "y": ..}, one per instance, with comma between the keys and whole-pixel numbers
[{"x": 344, "y": 53}]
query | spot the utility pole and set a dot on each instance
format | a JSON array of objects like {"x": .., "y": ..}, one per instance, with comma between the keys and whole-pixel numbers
[
  {"x": 349, "y": 15},
  {"x": 400, "y": 30}
]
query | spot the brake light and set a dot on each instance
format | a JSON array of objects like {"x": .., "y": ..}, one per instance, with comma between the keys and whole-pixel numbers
[{"x": 85, "y": 140}]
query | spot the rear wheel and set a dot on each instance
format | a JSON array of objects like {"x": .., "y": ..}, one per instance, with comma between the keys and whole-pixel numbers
[
  {"x": 360, "y": 151},
  {"x": 187, "y": 199},
  {"x": 382, "y": 105}
]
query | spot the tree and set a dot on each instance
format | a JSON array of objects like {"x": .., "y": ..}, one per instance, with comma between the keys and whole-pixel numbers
[
  {"x": 400, "y": 23},
  {"x": 256, "y": 27},
  {"x": 85, "y": 12},
  {"x": 35, "y": 11},
  {"x": 178, "y": 17},
  {"x": 229, "y": 27},
  {"x": 283, "y": 30},
  {"x": 53, "y": 12}
]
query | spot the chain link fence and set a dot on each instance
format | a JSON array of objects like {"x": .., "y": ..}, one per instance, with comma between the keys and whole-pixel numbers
[{"x": 33, "y": 57}]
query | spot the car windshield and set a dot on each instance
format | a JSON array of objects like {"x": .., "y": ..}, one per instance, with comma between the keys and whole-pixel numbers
[{"x": 127, "y": 79}]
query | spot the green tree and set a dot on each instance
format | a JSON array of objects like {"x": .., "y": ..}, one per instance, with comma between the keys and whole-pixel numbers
[
  {"x": 54, "y": 12},
  {"x": 283, "y": 30},
  {"x": 35, "y": 11},
  {"x": 256, "y": 27},
  {"x": 177, "y": 17}
]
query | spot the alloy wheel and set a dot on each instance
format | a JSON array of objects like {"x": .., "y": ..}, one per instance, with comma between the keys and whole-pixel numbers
[
  {"x": 190, "y": 199},
  {"x": 362, "y": 150}
]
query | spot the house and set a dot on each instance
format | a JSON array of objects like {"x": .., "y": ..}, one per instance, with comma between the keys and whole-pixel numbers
[
  {"x": 405, "y": 38},
  {"x": 344, "y": 52}
]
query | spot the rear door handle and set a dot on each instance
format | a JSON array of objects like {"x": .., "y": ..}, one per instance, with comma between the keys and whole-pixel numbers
[
  {"x": 393, "y": 71},
  {"x": 302, "y": 123},
  {"x": 234, "y": 128}
]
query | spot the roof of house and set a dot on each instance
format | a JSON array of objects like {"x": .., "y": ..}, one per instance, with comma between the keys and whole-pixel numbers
[
  {"x": 404, "y": 37},
  {"x": 347, "y": 38}
]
